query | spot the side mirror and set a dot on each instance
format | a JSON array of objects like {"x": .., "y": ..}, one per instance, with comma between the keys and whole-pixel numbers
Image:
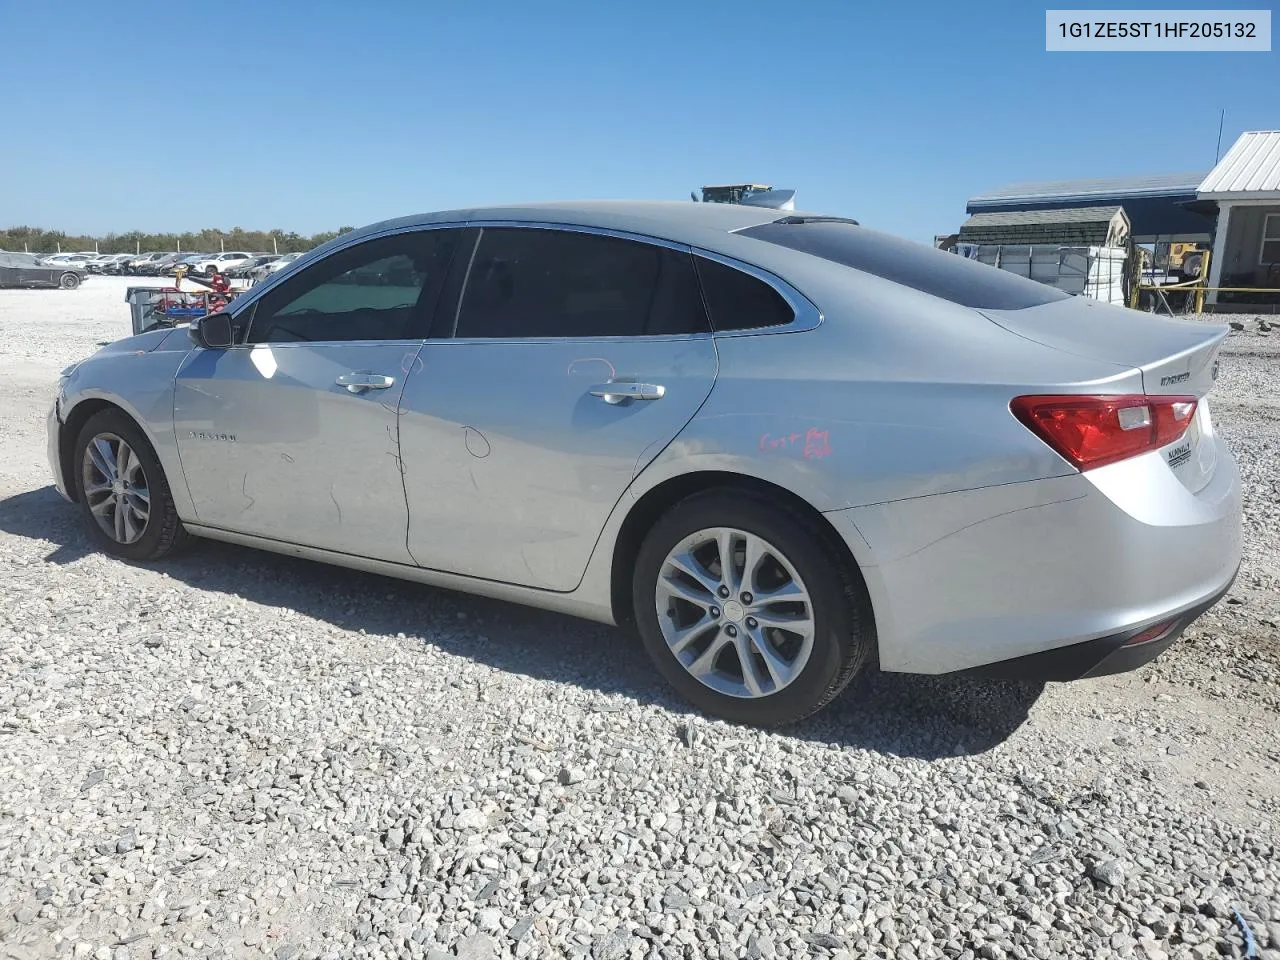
[{"x": 213, "y": 331}]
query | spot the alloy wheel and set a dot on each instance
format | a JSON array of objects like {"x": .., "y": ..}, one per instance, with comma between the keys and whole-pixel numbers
[
  {"x": 734, "y": 612},
  {"x": 115, "y": 488}
]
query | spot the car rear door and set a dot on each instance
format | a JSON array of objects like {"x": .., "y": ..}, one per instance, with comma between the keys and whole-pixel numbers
[
  {"x": 571, "y": 359},
  {"x": 292, "y": 434}
]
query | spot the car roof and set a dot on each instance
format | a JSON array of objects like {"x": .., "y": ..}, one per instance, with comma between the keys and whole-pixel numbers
[
  {"x": 680, "y": 221},
  {"x": 707, "y": 226}
]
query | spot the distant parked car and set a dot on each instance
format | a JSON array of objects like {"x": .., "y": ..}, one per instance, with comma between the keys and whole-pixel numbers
[
  {"x": 138, "y": 264},
  {"x": 246, "y": 269},
  {"x": 68, "y": 259},
  {"x": 220, "y": 262},
  {"x": 97, "y": 264},
  {"x": 115, "y": 265},
  {"x": 264, "y": 270},
  {"x": 160, "y": 266},
  {"x": 187, "y": 260},
  {"x": 28, "y": 270}
]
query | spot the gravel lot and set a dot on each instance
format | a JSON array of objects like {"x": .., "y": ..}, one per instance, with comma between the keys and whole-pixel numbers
[{"x": 234, "y": 754}]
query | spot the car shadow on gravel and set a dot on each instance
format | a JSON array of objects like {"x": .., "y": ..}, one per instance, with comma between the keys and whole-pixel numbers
[
  {"x": 43, "y": 515},
  {"x": 921, "y": 717}
]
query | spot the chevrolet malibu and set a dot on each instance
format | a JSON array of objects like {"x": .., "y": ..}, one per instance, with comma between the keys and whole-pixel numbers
[{"x": 782, "y": 448}]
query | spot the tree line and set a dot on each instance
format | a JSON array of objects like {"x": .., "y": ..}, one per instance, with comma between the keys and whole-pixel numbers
[{"x": 210, "y": 240}]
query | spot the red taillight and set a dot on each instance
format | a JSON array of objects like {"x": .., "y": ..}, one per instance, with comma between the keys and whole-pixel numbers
[{"x": 1090, "y": 431}]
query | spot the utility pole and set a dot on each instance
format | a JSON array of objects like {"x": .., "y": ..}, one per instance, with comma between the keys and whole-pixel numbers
[{"x": 1217, "y": 151}]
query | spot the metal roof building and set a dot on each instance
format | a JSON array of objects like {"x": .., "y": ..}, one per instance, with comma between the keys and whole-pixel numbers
[
  {"x": 1095, "y": 188},
  {"x": 1245, "y": 189},
  {"x": 1250, "y": 170},
  {"x": 1236, "y": 206},
  {"x": 1072, "y": 226},
  {"x": 1156, "y": 205}
]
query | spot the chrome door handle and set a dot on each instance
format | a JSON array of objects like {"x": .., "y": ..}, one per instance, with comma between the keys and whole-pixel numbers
[
  {"x": 360, "y": 382},
  {"x": 616, "y": 391}
]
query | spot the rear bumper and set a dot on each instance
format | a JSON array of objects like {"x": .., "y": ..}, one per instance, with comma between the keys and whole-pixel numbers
[
  {"x": 1097, "y": 658},
  {"x": 996, "y": 574}
]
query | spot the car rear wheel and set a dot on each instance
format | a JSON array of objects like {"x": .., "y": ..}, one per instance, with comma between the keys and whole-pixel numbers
[
  {"x": 69, "y": 281},
  {"x": 748, "y": 611},
  {"x": 123, "y": 491}
]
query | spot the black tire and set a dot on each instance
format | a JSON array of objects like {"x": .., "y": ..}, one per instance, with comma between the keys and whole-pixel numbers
[
  {"x": 844, "y": 627},
  {"x": 69, "y": 281},
  {"x": 163, "y": 532}
]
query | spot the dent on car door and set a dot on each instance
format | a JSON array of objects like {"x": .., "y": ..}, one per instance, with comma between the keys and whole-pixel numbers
[
  {"x": 577, "y": 357},
  {"x": 292, "y": 434}
]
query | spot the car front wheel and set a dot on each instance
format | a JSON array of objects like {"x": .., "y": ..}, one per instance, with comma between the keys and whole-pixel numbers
[
  {"x": 69, "y": 281},
  {"x": 123, "y": 492},
  {"x": 747, "y": 609}
]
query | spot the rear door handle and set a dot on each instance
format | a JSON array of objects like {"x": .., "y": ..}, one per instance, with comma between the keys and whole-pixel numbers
[
  {"x": 616, "y": 391},
  {"x": 360, "y": 382}
]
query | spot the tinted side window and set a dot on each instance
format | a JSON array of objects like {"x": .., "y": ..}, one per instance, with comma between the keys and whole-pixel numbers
[
  {"x": 529, "y": 282},
  {"x": 935, "y": 272},
  {"x": 378, "y": 290},
  {"x": 739, "y": 301}
]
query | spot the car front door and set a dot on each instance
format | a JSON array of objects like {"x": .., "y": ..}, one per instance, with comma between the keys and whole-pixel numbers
[
  {"x": 292, "y": 434},
  {"x": 39, "y": 274},
  {"x": 572, "y": 360}
]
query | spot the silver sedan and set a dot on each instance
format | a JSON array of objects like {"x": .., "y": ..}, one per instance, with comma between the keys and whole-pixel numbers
[{"x": 782, "y": 448}]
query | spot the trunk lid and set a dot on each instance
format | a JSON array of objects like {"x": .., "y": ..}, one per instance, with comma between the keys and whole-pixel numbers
[{"x": 1175, "y": 358}]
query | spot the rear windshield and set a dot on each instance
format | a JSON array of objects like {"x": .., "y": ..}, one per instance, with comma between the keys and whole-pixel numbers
[{"x": 929, "y": 270}]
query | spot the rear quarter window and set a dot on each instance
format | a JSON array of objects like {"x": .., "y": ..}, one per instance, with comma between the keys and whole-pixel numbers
[
  {"x": 738, "y": 301},
  {"x": 947, "y": 276}
]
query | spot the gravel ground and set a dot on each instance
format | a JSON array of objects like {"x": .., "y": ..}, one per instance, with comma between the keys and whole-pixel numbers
[{"x": 233, "y": 754}]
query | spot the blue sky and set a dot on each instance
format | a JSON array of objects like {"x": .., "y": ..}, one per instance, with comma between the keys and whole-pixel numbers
[{"x": 310, "y": 115}]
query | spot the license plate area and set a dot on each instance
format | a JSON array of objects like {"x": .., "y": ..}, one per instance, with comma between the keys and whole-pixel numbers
[{"x": 1193, "y": 456}]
